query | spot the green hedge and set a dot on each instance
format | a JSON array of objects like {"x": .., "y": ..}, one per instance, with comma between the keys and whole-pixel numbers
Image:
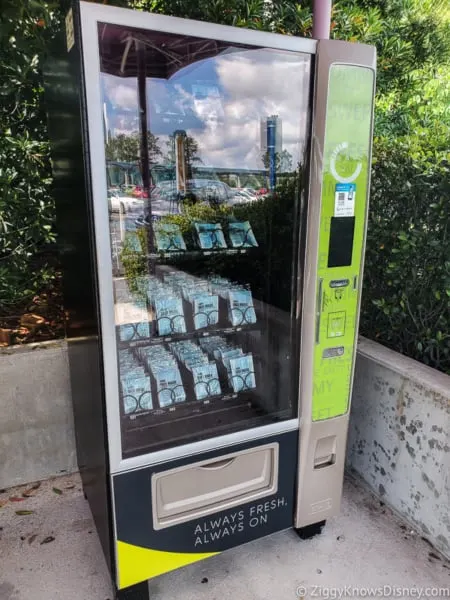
[
  {"x": 26, "y": 205},
  {"x": 271, "y": 220},
  {"x": 406, "y": 294}
]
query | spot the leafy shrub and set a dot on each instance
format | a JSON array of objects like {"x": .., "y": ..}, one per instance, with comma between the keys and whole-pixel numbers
[
  {"x": 406, "y": 297},
  {"x": 26, "y": 205},
  {"x": 268, "y": 271}
]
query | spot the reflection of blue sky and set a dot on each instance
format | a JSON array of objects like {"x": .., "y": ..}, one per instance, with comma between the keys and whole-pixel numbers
[
  {"x": 220, "y": 102},
  {"x": 120, "y": 98}
]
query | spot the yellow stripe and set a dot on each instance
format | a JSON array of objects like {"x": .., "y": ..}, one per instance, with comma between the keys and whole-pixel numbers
[{"x": 136, "y": 564}]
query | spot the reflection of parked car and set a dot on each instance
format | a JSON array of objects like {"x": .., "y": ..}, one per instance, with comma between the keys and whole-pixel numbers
[
  {"x": 165, "y": 190},
  {"x": 209, "y": 190},
  {"x": 139, "y": 192},
  {"x": 242, "y": 196},
  {"x": 201, "y": 190},
  {"x": 123, "y": 204},
  {"x": 248, "y": 194}
]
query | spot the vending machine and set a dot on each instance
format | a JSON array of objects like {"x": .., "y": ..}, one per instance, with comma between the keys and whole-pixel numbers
[{"x": 212, "y": 189}]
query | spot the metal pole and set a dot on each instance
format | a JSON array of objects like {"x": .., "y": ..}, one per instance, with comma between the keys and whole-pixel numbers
[
  {"x": 144, "y": 154},
  {"x": 321, "y": 19},
  {"x": 271, "y": 150}
]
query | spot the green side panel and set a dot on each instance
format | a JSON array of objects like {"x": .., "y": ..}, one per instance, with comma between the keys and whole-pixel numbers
[{"x": 342, "y": 227}]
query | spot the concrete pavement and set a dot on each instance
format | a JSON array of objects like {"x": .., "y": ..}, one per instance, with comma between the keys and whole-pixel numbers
[{"x": 366, "y": 546}]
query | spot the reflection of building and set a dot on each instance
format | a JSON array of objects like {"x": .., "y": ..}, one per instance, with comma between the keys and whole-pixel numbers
[
  {"x": 271, "y": 144},
  {"x": 234, "y": 177},
  {"x": 123, "y": 173},
  {"x": 266, "y": 124}
]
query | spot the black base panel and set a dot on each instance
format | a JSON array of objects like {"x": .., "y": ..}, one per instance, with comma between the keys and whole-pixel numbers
[
  {"x": 135, "y": 592},
  {"x": 216, "y": 532},
  {"x": 310, "y": 531}
]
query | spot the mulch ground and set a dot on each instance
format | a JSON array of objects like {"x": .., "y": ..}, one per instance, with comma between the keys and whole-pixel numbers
[{"x": 40, "y": 320}]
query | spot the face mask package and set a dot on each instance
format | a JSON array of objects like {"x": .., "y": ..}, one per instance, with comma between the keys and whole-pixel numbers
[
  {"x": 132, "y": 321},
  {"x": 213, "y": 345},
  {"x": 168, "y": 237},
  {"x": 240, "y": 307},
  {"x": 240, "y": 302},
  {"x": 169, "y": 314},
  {"x": 205, "y": 309},
  {"x": 135, "y": 384},
  {"x": 205, "y": 378},
  {"x": 241, "y": 373},
  {"x": 241, "y": 235},
  {"x": 167, "y": 306},
  {"x": 204, "y": 306},
  {"x": 163, "y": 367},
  {"x": 210, "y": 236},
  {"x": 176, "y": 280},
  {"x": 239, "y": 366}
]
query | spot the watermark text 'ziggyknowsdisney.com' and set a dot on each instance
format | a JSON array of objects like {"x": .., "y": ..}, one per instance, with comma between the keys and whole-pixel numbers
[{"x": 383, "y": 591}]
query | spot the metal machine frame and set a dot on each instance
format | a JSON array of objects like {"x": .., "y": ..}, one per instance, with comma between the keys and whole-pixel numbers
[
  {"x": 320, "y": 499},
  {"x": 317, "y": 437}
]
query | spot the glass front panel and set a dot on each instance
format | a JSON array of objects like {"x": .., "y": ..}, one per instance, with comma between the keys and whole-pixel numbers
[{"x": 205, "y": 143}]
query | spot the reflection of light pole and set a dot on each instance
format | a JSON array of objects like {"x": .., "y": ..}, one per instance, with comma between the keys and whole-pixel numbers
[
  {"x": 180, "y": 160},
  {"x": 271, "y": 151},
  {"x": 144, "y": 156},
  {"x": 105, "y": 122}
]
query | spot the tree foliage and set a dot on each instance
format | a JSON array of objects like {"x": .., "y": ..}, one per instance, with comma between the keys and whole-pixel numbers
[
  {"x": 127, "y": 148},
  {"x": 406, "y": 295},
  {"x": 26, "y": 205},
  {"x": 283, "y": 161},
  {"x": 190, "y": 147}
]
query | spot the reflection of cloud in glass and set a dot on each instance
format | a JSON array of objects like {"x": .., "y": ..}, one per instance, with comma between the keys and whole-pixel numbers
[
  {"x": 208, "y": 104},
  {"x": 259, "y": 83},
  {"x": 254, "y": 84},
  {"x": 170, "y": 107},
  {"x": 220, "y": 103},
  {"x": 120, "y": 96},
  {"x": 121, "y": 92}
]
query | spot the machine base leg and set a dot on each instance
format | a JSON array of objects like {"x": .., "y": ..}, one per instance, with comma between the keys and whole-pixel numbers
[
  {"x": 135, "y": 592},
  {"x": 309, "y": 531}
]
